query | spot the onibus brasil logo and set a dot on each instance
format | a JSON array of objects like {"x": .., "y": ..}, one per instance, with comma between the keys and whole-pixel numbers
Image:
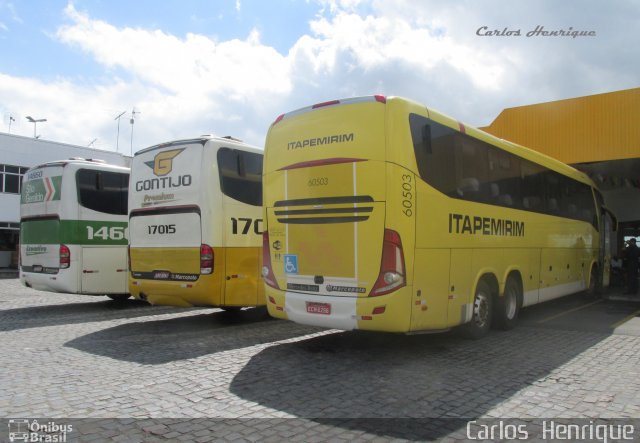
[{"x": 33, "y": 431}]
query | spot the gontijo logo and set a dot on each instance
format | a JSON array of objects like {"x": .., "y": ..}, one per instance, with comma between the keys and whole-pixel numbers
[
  {"x": 163, "y": 162},
  {"x": 162, "y": 165}
]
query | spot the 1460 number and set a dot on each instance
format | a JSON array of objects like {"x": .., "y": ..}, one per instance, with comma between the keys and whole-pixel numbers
[{"x": 105, "y": 233}]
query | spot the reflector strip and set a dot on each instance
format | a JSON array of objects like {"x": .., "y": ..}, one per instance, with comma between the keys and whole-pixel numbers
[
  {"x": 322, "y": 220},
  {"x": 324, "y": 201},
  {"x": 320, "y": 105},
  {"x": 323, "y": 162},
  {"x": 324, "y": 211}
]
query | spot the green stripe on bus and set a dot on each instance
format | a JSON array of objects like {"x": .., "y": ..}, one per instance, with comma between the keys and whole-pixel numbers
[{"x": 73, "y": 232}]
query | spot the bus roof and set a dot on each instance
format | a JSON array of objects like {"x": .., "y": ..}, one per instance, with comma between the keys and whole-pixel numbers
[
  {"x": 521, "y": 151},
  {"x": 227, "y": 139},
  {"x": 80, "y": 161}
]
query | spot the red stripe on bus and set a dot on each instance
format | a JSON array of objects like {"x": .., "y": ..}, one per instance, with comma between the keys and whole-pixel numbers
[{"x": 323, "y": 162}]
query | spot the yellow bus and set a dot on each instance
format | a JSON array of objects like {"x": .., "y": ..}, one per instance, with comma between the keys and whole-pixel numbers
[
  {"x": 382, "y": 214},
  {"x": 195, "y": 224}
]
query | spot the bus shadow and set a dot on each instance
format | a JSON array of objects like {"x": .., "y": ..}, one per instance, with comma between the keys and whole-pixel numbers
[
  {"x": 412, "y": 387},
  {"x": 74, "y": 313},
  {"x": 163, "y": 341}
]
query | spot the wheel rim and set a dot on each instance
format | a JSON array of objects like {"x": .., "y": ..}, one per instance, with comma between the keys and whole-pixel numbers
[{"x": 481, "y": 309}]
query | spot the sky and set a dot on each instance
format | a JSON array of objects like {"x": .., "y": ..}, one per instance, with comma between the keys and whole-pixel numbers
[{"x": 183, "y": 68}]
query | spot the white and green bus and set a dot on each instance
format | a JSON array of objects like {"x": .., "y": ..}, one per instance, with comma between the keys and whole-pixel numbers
[{"x": 73, "y": 228}]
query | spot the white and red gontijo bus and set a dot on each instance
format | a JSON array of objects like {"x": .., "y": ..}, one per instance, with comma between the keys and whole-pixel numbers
[{"x": 385, "y": 215}]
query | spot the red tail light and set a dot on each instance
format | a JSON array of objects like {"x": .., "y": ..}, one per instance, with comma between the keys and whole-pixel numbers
[
  {"x": 392, "y": 272},
  {"x": 206, "y": 259},
  {"x": 267, "y": 271},
  {"x": 65, "y": 257}
]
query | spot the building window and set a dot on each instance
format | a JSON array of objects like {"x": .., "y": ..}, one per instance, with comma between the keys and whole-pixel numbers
[{"x": 11, "y": 178}]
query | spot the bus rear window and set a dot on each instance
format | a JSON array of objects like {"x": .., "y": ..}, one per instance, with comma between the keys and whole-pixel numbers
[
  {"x": 241, "y": 175},
  {"x": 103, "y": 191}
]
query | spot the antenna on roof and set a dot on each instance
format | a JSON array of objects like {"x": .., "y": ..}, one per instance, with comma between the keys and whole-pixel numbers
[
  {"x": 118, "y": 135},
  {"x": 132, "y": 121}
]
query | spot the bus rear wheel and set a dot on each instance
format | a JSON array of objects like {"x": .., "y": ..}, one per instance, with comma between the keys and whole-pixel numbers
[
  {"x": 592, "y": 291},
  {"x": 231, "y": 308},
  {"x": 118, "y": 297},
  {"x": 482, "y": 313},
  {"x": 508, "y": 306}
]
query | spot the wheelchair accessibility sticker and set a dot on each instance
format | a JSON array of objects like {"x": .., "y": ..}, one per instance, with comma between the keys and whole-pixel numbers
[{"x": 290, "y": 263}]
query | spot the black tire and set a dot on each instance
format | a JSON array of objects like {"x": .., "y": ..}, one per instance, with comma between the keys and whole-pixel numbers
[
  {"x": 118, "y": 297},
  {"x": 231, "y": 308},
  {"x": 507, "y": 307},
  {"x": 482, "y": 313},
  {"x": 593, "y": 290}
]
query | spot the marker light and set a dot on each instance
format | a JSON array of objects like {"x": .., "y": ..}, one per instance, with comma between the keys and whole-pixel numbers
[{"x": 267, "y": 271}]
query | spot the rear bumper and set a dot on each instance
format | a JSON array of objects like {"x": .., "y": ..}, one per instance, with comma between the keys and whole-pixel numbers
[
  {"x": 63, "y": 281},
  {"x": 206, "y": 291},
  {"x": 347, "y": 313}
]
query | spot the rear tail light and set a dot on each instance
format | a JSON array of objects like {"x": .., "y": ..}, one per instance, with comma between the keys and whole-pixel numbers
[
  {"x": 65, "y": 257},
  {"x": 129, "y": 256},
  {"x": 206, "y": 259},
  {"x": 392, "y": 271},
  {"x": 267, "y": 271}
]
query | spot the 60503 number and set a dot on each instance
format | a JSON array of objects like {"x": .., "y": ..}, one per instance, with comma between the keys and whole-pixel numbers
[{"x": 407, "y": 195}]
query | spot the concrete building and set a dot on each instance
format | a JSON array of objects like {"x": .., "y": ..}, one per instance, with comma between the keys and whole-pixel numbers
[
  {"x": 17, "y": 154},
  {"x": 597, "y": 134}
]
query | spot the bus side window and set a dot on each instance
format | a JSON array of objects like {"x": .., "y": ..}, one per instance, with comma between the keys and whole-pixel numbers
[
  {"x": 434, "y": 153},
  {"x": 240, "y": 175}
]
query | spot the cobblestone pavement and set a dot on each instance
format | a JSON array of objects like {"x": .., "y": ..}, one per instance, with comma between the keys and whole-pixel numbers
[{"x": 173, "y": 374}]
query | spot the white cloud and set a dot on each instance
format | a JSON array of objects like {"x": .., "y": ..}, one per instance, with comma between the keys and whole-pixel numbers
[{"x": 428, "y": 51}]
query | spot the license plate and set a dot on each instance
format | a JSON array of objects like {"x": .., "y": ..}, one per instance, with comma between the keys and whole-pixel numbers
[
  {"x": 37, "y": 268},
  {"x": 319, "y": 308},
  {"x": 161, "y": 275}
]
